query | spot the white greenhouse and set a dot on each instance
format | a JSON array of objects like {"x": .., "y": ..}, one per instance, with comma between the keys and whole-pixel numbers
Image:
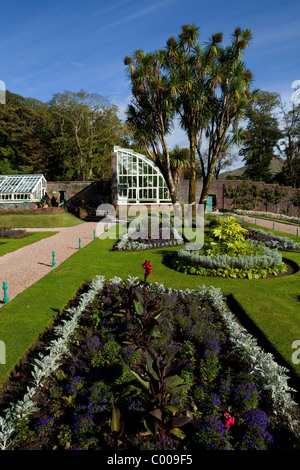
[
  {"x": 22, "y": 188},
  {"x": 139, "y": 181}
]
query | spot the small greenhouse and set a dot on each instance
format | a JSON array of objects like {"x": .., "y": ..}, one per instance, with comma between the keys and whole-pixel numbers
[{"x": 22, "y": 188}]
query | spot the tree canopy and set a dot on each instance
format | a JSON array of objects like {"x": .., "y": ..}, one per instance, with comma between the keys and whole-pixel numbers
[
  {"x": 68, "y": 138},
  {"x": 206, "y": 86},
  {"x": 261, "y": 136}
]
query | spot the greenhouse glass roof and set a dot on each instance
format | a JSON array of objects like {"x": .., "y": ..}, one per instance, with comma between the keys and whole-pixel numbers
[
  {"x": 26, "y": 188},
  {"x": 19, "y": 183}
]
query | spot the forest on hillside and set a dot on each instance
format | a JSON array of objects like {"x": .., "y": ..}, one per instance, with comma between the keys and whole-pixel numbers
[{"x": 69, "y": 138}]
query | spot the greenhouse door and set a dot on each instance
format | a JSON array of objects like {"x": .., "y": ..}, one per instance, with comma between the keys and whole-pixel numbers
[
  {"x": 123, "y": 193},
  {"x": 211, "y": 203}
]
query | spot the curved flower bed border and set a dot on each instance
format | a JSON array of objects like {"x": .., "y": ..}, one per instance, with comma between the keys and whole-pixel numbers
[
  {"x": 252, "y": 266},
  {"x": 272, "y": 241},
  {"x": 268, "y": 258},
  {"x": 126, "y": 243},
  {"x": 270, "y": 375}
]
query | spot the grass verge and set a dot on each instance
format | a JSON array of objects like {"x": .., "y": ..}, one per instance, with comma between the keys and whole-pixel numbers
[
  {"x": 62, "y": 219},
  {"x": 9, "y": 245}
]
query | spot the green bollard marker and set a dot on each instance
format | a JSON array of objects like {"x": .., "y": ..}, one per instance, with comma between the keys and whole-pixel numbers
[
  {"x": 5, "y": 298},
  {"x": 79, "y": 243},
  {"x": 273, "y": 225},
  {"x": 94, "y": 233},
  {"x": 53, "y": 259},
  {"x": 297, "y": 232}
]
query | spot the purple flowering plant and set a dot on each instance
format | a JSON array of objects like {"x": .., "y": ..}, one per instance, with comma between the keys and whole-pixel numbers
[{"x": 177, "y": 387}]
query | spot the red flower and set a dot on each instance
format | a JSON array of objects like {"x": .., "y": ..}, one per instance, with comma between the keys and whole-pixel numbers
[
  {"x": 228, "y": 420},
  {"x": 147, "y": 266}
]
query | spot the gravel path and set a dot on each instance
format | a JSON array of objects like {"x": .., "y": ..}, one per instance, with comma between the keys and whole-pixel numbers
[
  {"x": 23, "y": 267},
  {"x": 292, "y": 229}
]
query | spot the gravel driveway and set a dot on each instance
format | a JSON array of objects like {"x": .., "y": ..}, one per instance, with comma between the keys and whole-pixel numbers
[{"x": 23, "y": 267}]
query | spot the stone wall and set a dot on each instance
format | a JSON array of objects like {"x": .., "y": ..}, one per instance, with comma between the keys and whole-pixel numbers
[{"x": 81, "y": 197}]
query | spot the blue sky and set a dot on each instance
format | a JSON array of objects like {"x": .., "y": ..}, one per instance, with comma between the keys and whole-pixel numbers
[{"x": 48, "y": 46}]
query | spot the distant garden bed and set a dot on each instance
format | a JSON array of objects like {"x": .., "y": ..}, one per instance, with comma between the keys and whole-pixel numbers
[
  {"x": 11, "y": 233},
  {"x": 143, "y": 234}
]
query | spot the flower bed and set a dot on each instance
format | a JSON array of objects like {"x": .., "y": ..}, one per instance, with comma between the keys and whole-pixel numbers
[
  {"x": 165, "y": 234},
  {"x": 9, "y": 232},
  {"x": 269, "y": 262},
  {"x": 272, "y": 241},
  {"x": 138, "y": 366},
  {"x": 228, "y": 253}
]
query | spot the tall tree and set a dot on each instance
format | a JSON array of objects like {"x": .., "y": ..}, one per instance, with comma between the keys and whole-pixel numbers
[
  {"x": 24, "y": 143},
  {"x": 152, "y": 110},
  {"x": 229, "y": 97},
  {"x": 290, "y": 145},
  {"x": 208, "y": 88},
  {"x": 187, "y": 67},
  {"x": 261, "y": 137},
  {"x": 84, "y": 127},
  {"x": 226, "y": 157},
  {"x": 180, "y": 160}
]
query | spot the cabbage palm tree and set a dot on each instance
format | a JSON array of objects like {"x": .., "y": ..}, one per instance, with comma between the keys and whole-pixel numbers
[
  {"x": 230, "y": 96},
  {"x": 152, "y": 110},
  {"x": 179, "y": 158}
]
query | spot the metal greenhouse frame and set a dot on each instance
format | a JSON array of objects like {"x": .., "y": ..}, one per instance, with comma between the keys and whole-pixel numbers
[
  {"x": 22, "y": 188},
  {"x": 139, "y": 179}
]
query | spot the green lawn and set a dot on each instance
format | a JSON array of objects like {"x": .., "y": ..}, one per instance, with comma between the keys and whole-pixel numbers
[
  {"x": 62, "y": 219},
  {"x": 268, "y": 303},
  {"x": 8, "y": 245}
]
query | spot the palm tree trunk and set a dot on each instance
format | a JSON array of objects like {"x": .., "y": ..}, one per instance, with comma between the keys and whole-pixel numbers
[{"x": 192, "y": 187}]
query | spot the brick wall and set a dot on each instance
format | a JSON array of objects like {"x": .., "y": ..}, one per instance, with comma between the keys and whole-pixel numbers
[{"x": 217, "y": 187}]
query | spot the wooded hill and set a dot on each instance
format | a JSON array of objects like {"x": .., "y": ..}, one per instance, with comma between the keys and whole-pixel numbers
[{"x": 68, "y": 138}]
